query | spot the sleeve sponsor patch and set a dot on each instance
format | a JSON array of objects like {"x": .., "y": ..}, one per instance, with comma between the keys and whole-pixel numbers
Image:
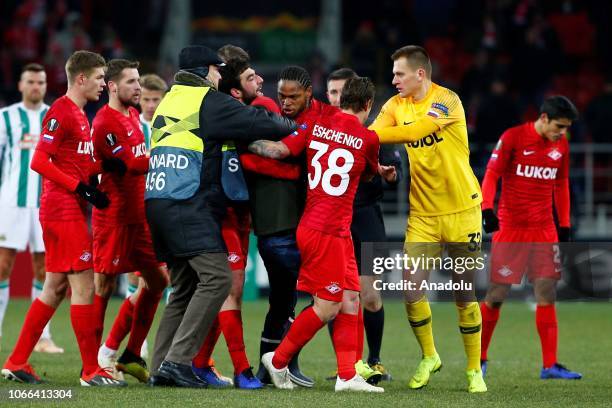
[
  {"x": 438, "y": 109},
  {"x": 52, "y": 125},
  {"x": 111, "y": 139}
]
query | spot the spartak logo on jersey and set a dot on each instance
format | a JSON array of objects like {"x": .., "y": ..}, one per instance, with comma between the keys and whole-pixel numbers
[
  {"x": 333, "y": 288},
  {"x": 555, "y": 154}
]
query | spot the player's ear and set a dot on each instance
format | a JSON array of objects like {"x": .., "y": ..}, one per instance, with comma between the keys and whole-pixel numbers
[{"x": 236, "y": 93}]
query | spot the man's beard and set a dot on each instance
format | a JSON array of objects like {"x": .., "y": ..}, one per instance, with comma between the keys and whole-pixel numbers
[
  {"x": 128, "y": 102},
  {"x": 247, "y": 99}
]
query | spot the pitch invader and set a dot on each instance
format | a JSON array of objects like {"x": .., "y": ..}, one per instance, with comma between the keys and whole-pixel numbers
[
  {"x": 121, "y": 238},
  {"x": 63, "y": 157},
  {"x": 20, "y": 188},
  {"x": 328, "y": 270},
  {"x": 533, "y": 162}
]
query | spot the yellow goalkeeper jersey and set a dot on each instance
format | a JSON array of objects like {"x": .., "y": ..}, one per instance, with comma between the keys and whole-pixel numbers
[{"x": 442, "y": 181}]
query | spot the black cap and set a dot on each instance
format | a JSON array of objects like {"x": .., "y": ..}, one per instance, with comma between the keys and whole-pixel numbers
[{"x": 196, "y": 56}]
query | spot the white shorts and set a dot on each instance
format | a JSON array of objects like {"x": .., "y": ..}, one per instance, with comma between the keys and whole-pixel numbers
[{"x": 19, "y": 227}]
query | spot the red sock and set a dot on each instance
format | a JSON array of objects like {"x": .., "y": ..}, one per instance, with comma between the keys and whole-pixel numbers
[
  {"x": 203, "y": 357},
  {"x": 231, "y": 326},
  {"x": 99, "y": 307},
  {"x": 490, "y": 316},
  {"x": 305, "y": 326},
  {"x": 546, "y": 321},
  {"x": 121, "y": 325},
  {"x": 360, "y": 333},
  {"x": 345, "y": 344},
  {"x": 142, "y": 318},
  {"x": 35, "y": 321},
  {"x": 84, "y": 326}
]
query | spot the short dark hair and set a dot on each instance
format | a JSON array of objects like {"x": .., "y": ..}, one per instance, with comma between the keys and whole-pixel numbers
[
  {"x": 356, "y": 93},
  {"x": 341, "y": 73},
  {"x": 295, "y": 73},
  {"x": 559, "y": 107},
  {"x": 115, "y": 68},
  {"x": 32, "y": 67},
  {"x": 230, "y": 52},
  {"x": 83, "y": 62},
  {"x": 416, "y": 56},
  {"x": 230, "y": 74}
]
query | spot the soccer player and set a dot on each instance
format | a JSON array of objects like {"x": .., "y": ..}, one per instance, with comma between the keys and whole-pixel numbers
[
  {"x": 122, "y": 241},
  {"x": 444, "y": 198},
  {"x": 153, "y": 89},
  {"x": 20, "y": 126},
  {"x": 339, "y": 150},
  {"x": 368, "y": 226},
  {"x": 533, "y": 162},
  {"x": 63, "y": 157}
]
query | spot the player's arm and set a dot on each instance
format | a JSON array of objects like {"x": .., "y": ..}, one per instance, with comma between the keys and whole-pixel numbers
[
  {"x": 412, "y": 132},
  {"x": 270, "y": 149},
  {"x": 500, "y": 159},
  {"x": 562, "y": 199},
  {"x": 389, "y": 156},
  {"x": 270, "y": 167},
  {"x": 373, "y": 167}
]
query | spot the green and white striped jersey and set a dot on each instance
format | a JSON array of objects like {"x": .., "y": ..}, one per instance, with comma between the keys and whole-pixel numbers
[
  {"x": 146, "y": 131},
  {"x": 19, "y": 133}
]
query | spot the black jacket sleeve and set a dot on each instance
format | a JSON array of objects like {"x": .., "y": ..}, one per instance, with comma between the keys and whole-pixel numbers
[
  {"x": 390, "y": 156},
  {"x": 225, "y": 118}
]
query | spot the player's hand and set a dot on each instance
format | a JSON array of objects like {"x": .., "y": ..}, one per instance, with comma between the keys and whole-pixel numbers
[
  {"x": 490, "y": 222},
  {"x": 93, "y": 195},
  {"x": 114, "y": 165},
  {"x": 565, "y": 234},
  {"x": 389, "y": 173}
]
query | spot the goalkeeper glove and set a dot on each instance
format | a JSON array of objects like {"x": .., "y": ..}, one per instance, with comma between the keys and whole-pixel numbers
[
  {"x": 114, "y": 165},
  {"x": 93, "y": 195},
  {"x": 490, "y": 222}
]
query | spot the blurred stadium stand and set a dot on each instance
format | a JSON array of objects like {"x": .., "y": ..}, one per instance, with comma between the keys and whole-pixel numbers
[{"x": 501, "y": 56}]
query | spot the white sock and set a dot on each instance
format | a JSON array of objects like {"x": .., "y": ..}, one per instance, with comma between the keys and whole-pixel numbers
[
  {"x": 37, "y": 287},
  {"x": 4, "y": 299},
  {"x": 107, "y": 351},
  {"x": 131, "y": 289}
]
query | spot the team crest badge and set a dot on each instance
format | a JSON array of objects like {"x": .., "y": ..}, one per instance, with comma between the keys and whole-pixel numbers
[
  {"x": 85, "y": 257},
  {"x": 333, "y": 288},
  {"x": 555, "y": 154},
  {"x": 505, "y": 271},
  {"x": 52, "y": 125},
  {"x": 233, "y": 257}
]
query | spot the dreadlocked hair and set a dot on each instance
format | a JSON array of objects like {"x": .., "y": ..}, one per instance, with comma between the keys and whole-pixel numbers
[{"x": 297, "y": 74}]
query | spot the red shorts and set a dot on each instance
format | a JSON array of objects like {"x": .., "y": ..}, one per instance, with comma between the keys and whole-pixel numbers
[
  {"x": 328, "y": 264},
  {"x": 67, "y": 246},
  {"x": 123, "y": 248},
  {"x": 235, "y": 230},
  {"x": 515, "y": 252}
]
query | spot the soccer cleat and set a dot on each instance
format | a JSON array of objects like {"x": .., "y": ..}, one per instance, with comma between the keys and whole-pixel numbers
[
  {"x": 47, "y": 346},
  {"x": 483, "y": 367},
  {"x": 210, "y": 375},
  {"x": 247, "y": 381},
  {"x": 475, "y": 381},
  {"x": 221, "y": 376},
  {"x": 332, "y": 376},
  {"x": 367, "y": 373},
  {"x": 357, "y": 383},
  {"x": 23, "y": 373},
  {"x": 133, "y": 365},
  {"x": 296, "y": 375},
  {"x": 177, "y": 375},
  {"x": 108, "y": 361},
  {"x": 426, "y": 367},
  {"x": 558, "y": 371},
  {"x": 279, "y": 376},
  {"x": 377, "y": 366},
  {"x": 101, "y": 378}
]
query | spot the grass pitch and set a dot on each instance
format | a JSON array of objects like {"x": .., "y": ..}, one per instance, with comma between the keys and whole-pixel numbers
[{"x": 585, "y": 345}]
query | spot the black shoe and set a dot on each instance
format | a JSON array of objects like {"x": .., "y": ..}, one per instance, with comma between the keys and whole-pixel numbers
[
  {"x": 181, "y": 374},
  {"x": 263, "y": 375},
  {"x": 296, "y": 375},
  {"x": 160, "y": 381}
]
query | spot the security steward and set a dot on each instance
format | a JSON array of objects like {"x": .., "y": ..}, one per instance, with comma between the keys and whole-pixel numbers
[{"x": 185, "y": 203}]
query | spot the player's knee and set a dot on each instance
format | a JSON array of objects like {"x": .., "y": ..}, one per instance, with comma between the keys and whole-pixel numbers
[
  {"x": 371, "y": 301},
  {"x": 6, "y": 265}
]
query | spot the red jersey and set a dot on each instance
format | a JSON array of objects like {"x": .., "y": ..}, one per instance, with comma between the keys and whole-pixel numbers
[
  {"x": 339, "y": 150},
  {"x": 66, "y": 137},
  {"x": 117, "y": 135},
  {"x": 531, "y": 167}
]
